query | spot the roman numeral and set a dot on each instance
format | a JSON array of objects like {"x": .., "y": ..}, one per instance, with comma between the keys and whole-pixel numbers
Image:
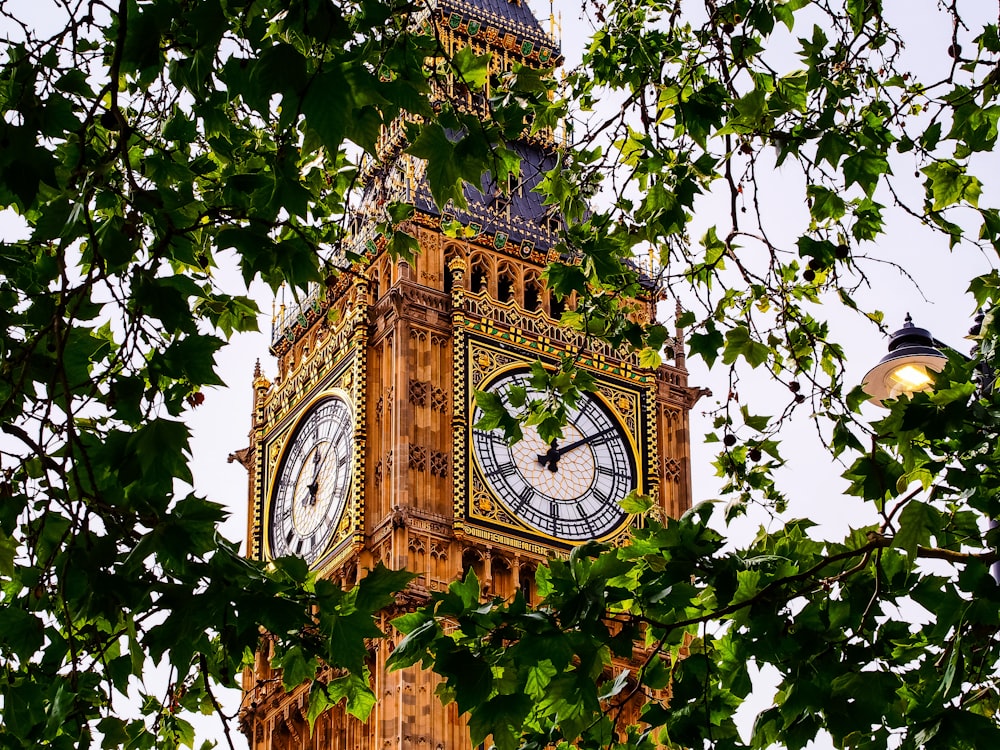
[
  {"x": 524, "y": 499},
  {"x": 492, "y": 436}
]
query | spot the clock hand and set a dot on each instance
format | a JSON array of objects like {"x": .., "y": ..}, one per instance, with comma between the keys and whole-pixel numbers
[
  {"x": 551, "y": 457},
  {"x": 313, "y": 486}
]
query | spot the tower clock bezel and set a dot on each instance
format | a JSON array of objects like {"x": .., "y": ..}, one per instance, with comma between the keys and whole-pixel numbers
[
  {"x": 568, "y": 490},
  {"x": 622, "y": 396},
  {"x": 302, "y": 443}
]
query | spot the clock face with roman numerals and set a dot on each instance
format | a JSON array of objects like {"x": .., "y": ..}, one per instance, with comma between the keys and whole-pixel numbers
[
  {"x": 313, "y": 481},
  {"x": 569, "y": 489}
]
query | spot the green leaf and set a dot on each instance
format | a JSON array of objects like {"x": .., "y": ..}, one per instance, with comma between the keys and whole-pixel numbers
[
  {"x": 161, "y": 449},
  {"x": 467, "y": 589},
  {"x": 319, "y": 702},
  {"x": 739, "y": 343},
  {"x": 793, "y": 88},
  {"x": 20, "y": 631},
  {"x": 948, "y": 184},
  {"x": 400, "y": 212},
  {"x": 327, "y": 107},
  {"x": 403, "y": 245},
  {"x": 346, "y": 634},
  {"x": 444, "y": 169},
  {"x": 501, "y": 717},
  {"x": 8, "y": 550},
  {"x": 636, "y": 503},
  {"x": 472, "y": 69},
  {"x": 379, "y": 587},
  {"x": 355, "y": 690},
  {"x": 825, "y": 204},
  {"x": 917, "y": 523},
  {"x": 539, "y": 675},
  {"x": 495, "y": 416},
  {"x": 865, "y": 168},
  {"x": 413, "y": 647},
  {"x": 650, "y": 358},
  {"x": 708, "y": 344},
  {"x": 296, "y": 668}
]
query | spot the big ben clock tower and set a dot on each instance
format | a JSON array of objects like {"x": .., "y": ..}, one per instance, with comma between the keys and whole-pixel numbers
[{"x": 364, "y": 448}]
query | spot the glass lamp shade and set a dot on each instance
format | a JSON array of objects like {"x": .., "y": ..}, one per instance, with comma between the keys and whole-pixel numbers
[{"x": 906, "y": 369}]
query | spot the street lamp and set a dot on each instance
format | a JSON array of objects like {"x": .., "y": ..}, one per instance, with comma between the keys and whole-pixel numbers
[{"x": 905, "y": 370}]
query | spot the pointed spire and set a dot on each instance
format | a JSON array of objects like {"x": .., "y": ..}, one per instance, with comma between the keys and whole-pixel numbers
[
  {"x": 260, "y": 383},
  {"x": 678, "y": 335}
]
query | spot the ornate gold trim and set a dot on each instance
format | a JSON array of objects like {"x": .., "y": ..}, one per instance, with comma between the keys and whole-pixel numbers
[
  {"x": 278, "y": 445},
  {"x": 479, "y": 359}
]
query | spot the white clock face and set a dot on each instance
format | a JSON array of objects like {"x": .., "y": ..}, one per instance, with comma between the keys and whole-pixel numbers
[
  {"x": 313, "y": 482},
  {"x": 570, "y": 489}
]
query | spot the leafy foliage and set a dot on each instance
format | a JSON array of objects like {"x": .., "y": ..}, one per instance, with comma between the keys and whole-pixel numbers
[
  {"x": 146, "y": 144},
  {"x": 141, "y": 144}
]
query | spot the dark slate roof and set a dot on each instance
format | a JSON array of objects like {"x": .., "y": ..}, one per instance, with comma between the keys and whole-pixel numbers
[
  {"x": 521, "y": 216},
  {"x": 513, "y": 17}
]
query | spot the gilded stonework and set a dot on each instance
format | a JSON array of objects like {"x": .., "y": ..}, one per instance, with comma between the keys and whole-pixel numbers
[{"x": 623, "y": 402}]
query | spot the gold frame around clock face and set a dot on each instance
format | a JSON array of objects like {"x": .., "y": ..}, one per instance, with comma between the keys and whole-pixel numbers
[
  {"x": 312, "y": 486},
  {"x": 568, "y": 491}
]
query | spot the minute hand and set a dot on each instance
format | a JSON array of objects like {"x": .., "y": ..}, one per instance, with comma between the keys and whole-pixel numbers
[{"x": 551, "y": 457}]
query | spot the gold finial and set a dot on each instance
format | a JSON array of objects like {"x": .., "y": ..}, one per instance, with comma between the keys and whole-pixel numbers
[{"x": 260, "y": 383}]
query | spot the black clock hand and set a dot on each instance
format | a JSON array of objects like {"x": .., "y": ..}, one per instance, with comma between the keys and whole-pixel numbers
[
  {"x": 313, "y": 486},
  {"x": 551, "y": 457}
]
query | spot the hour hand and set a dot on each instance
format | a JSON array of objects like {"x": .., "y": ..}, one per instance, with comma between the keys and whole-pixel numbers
[
  {"x": 551, "y": 457},
  {"x": 313, "y": 486}
]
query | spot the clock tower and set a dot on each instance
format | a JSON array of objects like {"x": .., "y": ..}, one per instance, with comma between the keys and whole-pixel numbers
[{"x": 364, "y": 448}]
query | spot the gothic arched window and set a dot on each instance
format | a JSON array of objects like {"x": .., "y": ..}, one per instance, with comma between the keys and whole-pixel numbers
[
  {"x": 532, "y": 294},
  {"x": 479, "y": 279},
  {"x": 506, "y": 285}
]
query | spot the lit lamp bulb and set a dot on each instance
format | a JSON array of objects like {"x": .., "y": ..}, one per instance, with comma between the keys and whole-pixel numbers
[
  {"x": 906, "y": 369},
  {"x": 909, "y": 379}
]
